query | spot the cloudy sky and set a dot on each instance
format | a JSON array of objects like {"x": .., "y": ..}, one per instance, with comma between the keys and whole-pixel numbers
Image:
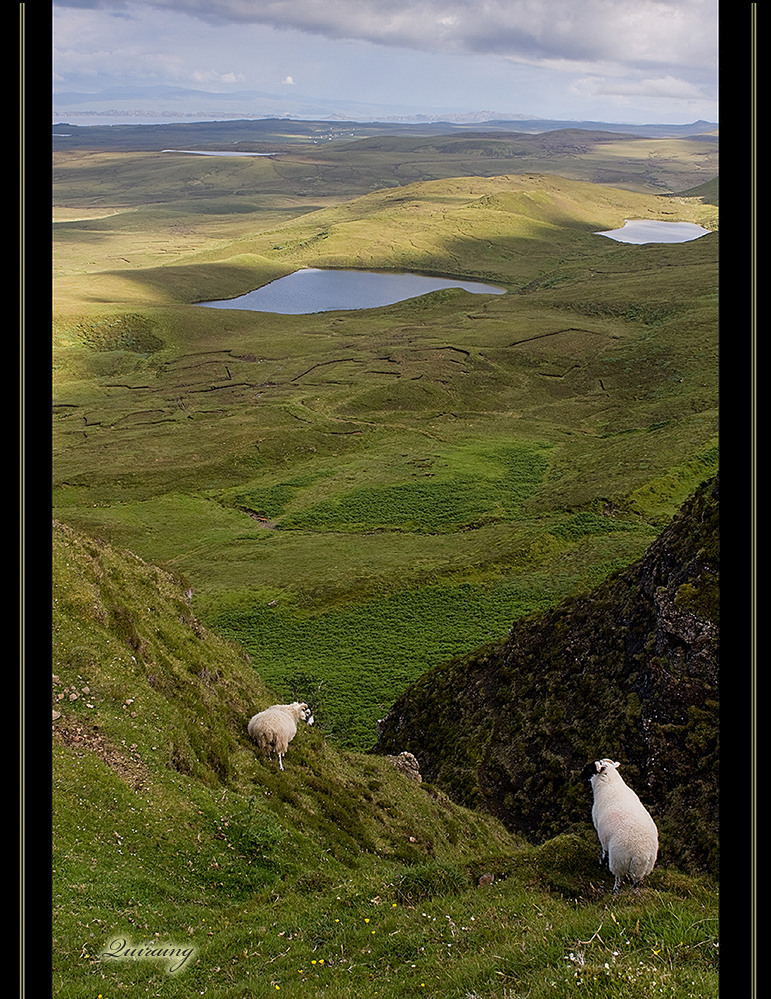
[{"x": 634, "y": 61}]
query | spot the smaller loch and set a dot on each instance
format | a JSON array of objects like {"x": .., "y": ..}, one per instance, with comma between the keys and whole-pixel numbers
[
  {"x": 215, "y": 152},
  {"x": 314, "y": 289},
  {"x": 652, "y": 231}
]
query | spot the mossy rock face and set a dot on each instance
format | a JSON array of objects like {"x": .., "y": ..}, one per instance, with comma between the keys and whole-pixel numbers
[{"x": 629, "y": 670}]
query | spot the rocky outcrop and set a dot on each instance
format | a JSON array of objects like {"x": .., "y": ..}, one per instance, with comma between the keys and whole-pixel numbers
[
  {"x": 628, "y": 671},
  {"x": 407, "y": 765}
]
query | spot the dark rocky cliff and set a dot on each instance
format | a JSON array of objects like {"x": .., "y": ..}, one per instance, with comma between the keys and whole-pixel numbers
[{"x": 628, "y": 671}]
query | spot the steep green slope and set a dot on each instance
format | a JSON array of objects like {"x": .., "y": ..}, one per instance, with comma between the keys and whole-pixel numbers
[
  {"x": 340, "y": 877},
  {"x": 164, "y": 818},
  {"x": 629, "y": 671},
  {"x": 161, "y": 701}
]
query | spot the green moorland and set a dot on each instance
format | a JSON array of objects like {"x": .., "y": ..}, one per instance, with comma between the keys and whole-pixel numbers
[
  {"x": 357, "y": 496},
  {"x": 327, "y": 506},
  {"x": 339, "y": 877}
]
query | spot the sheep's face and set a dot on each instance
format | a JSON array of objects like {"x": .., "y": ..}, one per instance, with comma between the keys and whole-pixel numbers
[
  {"x": 306, "y": 714},
  {"x": 598, "y": 768}
]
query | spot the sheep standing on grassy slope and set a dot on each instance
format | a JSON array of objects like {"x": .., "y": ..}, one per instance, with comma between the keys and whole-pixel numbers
[
  {"x": 275, "y": 727},
  {"x": 628, "y": 835}
]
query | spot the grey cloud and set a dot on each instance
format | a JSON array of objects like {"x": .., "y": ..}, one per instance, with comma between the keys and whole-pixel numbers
[{"x": 637, "y": 33}]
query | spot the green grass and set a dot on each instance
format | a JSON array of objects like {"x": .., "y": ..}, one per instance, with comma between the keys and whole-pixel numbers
[
  {"x": 372, "y": 473},
  {"x": 353, "y": 648},
  {"x": 467, "y": 489},
  {"x": 352, "y": 498},
  {"x": 337, "y": 877}
]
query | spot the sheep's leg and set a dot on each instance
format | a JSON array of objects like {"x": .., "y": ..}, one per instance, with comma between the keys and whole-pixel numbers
[{"x": 280, "y": 763}]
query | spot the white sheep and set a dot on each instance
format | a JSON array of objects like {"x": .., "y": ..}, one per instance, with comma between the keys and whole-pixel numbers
[
  {"x": 275, "y": 727},
  {"x": 628, "y": 835}
]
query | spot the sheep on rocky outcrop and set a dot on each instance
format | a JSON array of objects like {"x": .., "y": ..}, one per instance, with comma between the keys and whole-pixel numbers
[
  {"x": 275, "y": 727},
  {"x": 627, "y": 833}
]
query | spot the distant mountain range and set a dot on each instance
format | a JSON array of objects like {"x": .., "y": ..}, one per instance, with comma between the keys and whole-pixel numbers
[{"x": 163, "y": 105}]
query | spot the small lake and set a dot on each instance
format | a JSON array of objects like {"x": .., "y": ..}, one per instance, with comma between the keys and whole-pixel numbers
[
  {"x": 652, "y": 231},
  {"x": 319, "y": 290},
  {"x": 216, "y": 152}
]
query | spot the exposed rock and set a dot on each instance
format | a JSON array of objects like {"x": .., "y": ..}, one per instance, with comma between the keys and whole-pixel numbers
[{"x": 407, "y": 764}]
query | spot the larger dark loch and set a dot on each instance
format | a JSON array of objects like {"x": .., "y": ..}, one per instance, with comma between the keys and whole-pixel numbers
[
  {"x": 315, "y": 289},
  {"x": 653, "y": 231}
]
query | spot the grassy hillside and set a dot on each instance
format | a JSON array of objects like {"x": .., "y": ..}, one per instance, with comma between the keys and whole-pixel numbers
[
  {"x": 326, "y": 507},
  {"x": 339, "y": 877},
  {"x": 359, "y": 496}
]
